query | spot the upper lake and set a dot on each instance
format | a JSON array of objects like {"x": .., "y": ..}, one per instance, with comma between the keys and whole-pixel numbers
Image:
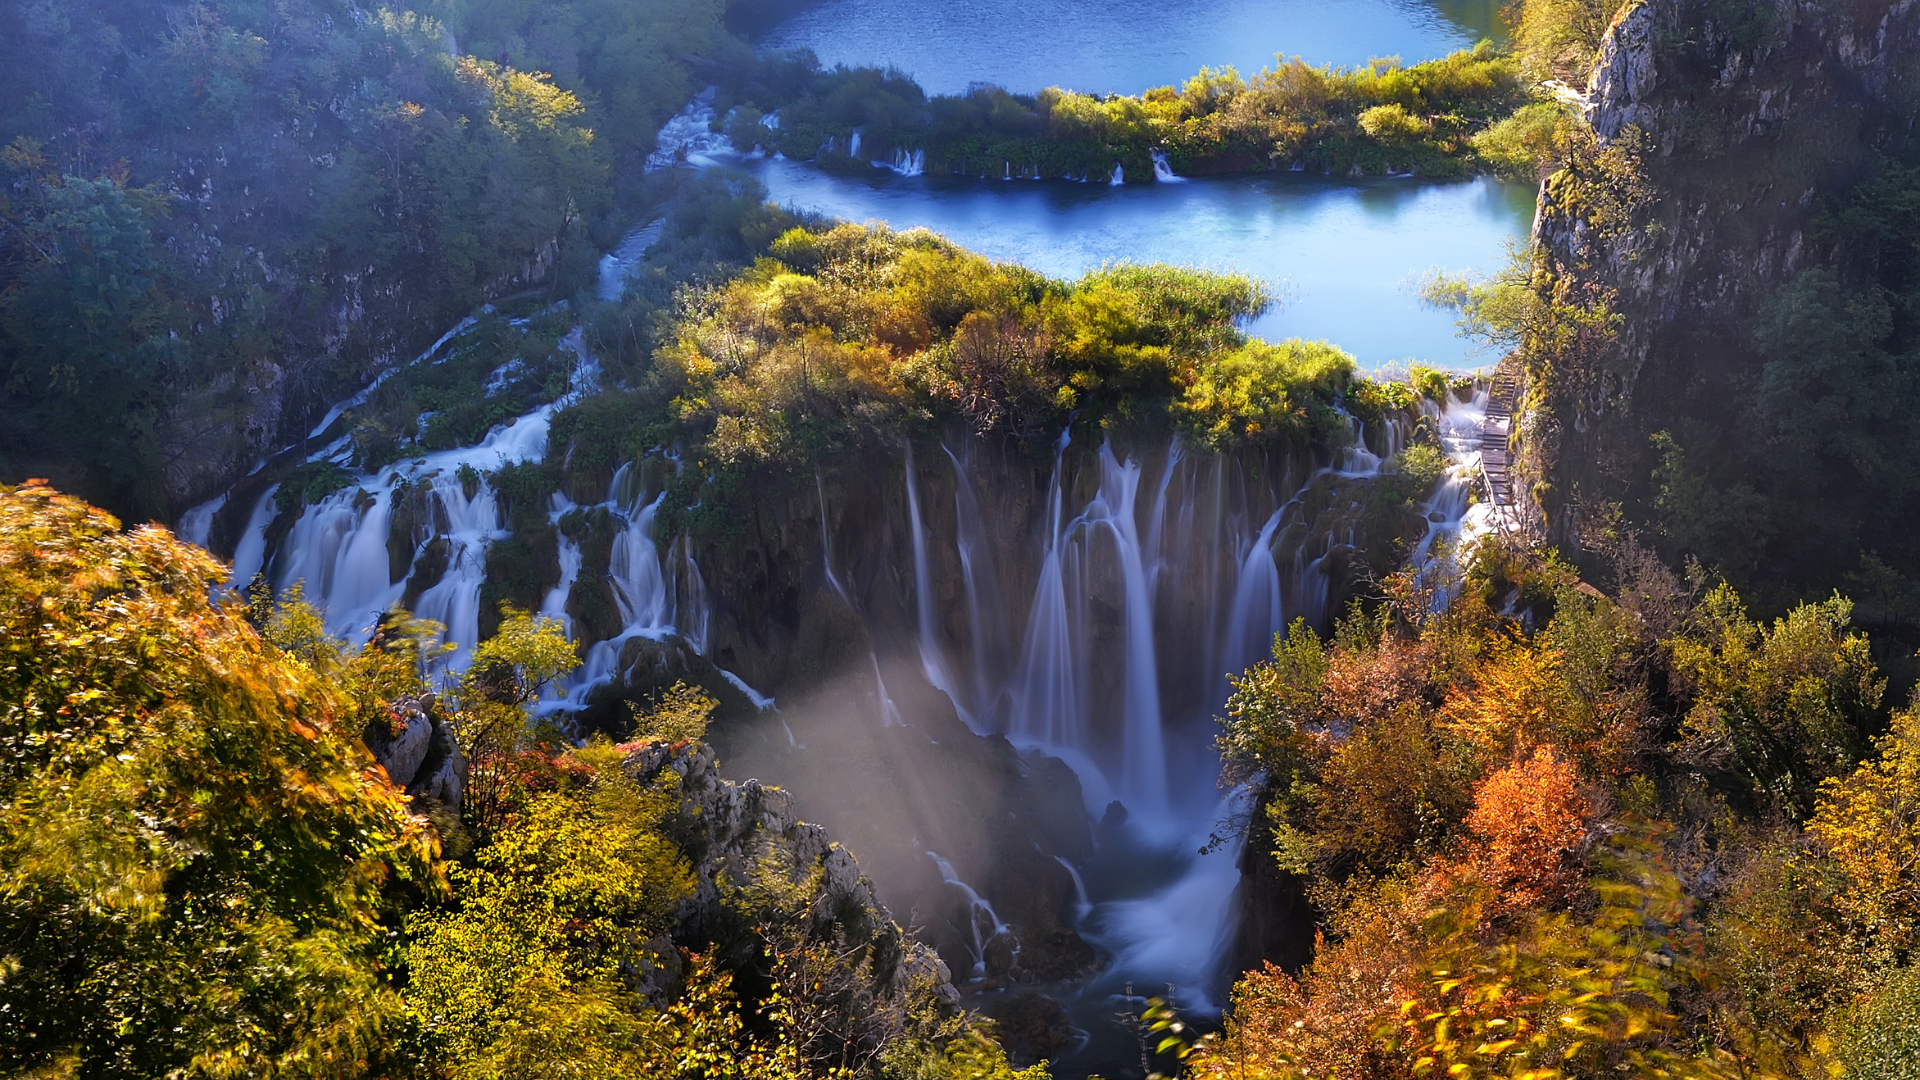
[
  {"x": 1343, "y": 256},
  {"x": 1121, "y": 46}
]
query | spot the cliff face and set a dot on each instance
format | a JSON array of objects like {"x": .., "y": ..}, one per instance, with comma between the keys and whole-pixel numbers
[{"x": 1720, "y": 130}]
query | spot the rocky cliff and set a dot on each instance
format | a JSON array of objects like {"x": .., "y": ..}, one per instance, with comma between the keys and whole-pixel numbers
[{"x": 1720, "y": 130}]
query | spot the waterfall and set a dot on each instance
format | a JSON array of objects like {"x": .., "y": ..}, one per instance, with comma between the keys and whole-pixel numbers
[
  {"x": 1047, "y": 701},
  {"x": 250, "y": 555},
  {"x": 196, "y": 525},
  {"x": 932, "y": 657},
  {"x": 1359, "y": 460},
  {"x": 853, "y": 147},
  {"x": 889, "y": 712},
  {"x": 1256, "y": 611},
  {"x": 826, "y": 543},
  {"x": 1163, "y": 172},
  {"x": 615, "y": 265},
  {"x": 1119, "y": 175},
  {"x": 473, "y": 522},
  {"x": 1081, "y": 905},
  {"x": 905, "y": 162},
  {"x": 689, "y": 138},
  {"x": 640, "y": 586},
  {"x": 977, "y": 909},
  {"x": 337, "y": 552},
  {"x": 1143, "y": 751},
  {"x": 984, "y": 619}
]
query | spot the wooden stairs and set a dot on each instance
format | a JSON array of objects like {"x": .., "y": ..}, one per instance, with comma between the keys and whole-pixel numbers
[{"x": 1496, "y": 433}]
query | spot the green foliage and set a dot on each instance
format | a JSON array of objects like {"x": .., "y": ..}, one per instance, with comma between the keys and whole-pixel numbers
[
  {"x": 1557, "y": 39},
  {"x": 505, "y": 675},
  {"x": 86, "y": 342},
  {"x": 1262, "y": 391},
  {"x": 1531, "y": 140},
  {"x": 678, "y": 714},
  {"x": 1879, "y": 1039},
  {"x": 530, "y": 974},
  {"x": 1785, "y": 706},
  {"x": 850, "y": 338},
  {"x": 194, "y": 843},
  {"x": 972, "y": 1056},
  {"x": 1273, "y": 706},
  {"x": 207, "y": 200}
]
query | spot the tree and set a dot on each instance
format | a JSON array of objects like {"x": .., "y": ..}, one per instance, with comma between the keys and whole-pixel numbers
[
  {"x": 1785, "y": 706},
  {"x": 1868, "y": 824},
  {"x": 194, "y": 843},
  {"x": 1527, "y": 824},
  {"x": 532, "y": 974},
  {"x": 506, "y": 673}
]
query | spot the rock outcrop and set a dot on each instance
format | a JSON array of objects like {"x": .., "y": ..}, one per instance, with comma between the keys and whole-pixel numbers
[
  {"x": 1719, "y": 127},
  {"x": 419, "y": 752},
  {"x": 734, "y": 833}
]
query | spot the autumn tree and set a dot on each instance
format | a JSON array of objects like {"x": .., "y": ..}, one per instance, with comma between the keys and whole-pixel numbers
[{"x": 194, "y": 843}]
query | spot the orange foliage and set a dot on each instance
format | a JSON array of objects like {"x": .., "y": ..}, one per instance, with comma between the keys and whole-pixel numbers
[
  {"x": 1374, "y": 684},
  {"x": 1328, "y": 1021},
  {"x": 1527, "y": 825}
]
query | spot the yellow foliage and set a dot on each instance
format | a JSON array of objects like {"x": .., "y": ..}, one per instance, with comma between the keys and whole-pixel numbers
[{"x": 1869, "y": 825}]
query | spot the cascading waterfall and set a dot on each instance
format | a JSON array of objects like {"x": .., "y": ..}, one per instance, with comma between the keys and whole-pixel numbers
[
  {"x": 1256, "y": 609},
  {"x": 472, "y": 523},
  {"x": 905, "y": 162},
  {"x": 889, "y": 712},
  {"x": 1203, "y": 556},
  {"x": 337, "y": 551},
  {"x": 1081, "y": 904},
  {"x": 1119, "y": 175},
  {"x": 1133, "y": 552},
  {"x": 978, "y": 910},
  {"x": 932, "y": 661},
  {"x": 1163, "y": 172}
]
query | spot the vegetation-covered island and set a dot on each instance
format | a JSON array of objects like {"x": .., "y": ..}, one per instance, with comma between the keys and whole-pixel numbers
[{"x": 615, "y": 626}]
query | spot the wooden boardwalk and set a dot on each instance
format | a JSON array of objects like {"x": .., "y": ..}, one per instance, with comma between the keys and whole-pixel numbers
[{"x": 1496, "y": 435}]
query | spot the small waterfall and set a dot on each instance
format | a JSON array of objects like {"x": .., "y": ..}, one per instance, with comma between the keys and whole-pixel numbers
[
  {"x": 853, "y": 146},
  {"x": 696, "y": 612},
  {"x": 1047, "y": 699},
  {"x": 1081, "y": 905},
  {"x": 984, "y": 612},
  {"x": 640, "y": 585},
  {"x": 932, "y": 658},
  {"x": 760, "y": 700},
  {"x": 337, "y": 551},
  {"x": 472, "y": 522},
  {"x": 906, "y": 162},
  {"x": 826, "y": 543},
  {"x": 689, "y": 138},
  {"x": 889, "y": 712},
  {"x": 249, "y": 556},
  {"x": 555, "y": 605},
  {"x": 196, "y": 525},
  {"x": 615, "y": 265},
  {"x": 977, "y": 910},
  {"x": 1358, "y": 460},
  {"x": 1119, "y": 176},
  {"x": 1256, "y": 608},
  {"x": 1163, "y": 172},
  {"x": 1143, "y": 751}
]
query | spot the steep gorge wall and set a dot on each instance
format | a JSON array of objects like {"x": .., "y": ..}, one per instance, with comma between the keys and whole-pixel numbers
[{"x": 1720, "y": 127}]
